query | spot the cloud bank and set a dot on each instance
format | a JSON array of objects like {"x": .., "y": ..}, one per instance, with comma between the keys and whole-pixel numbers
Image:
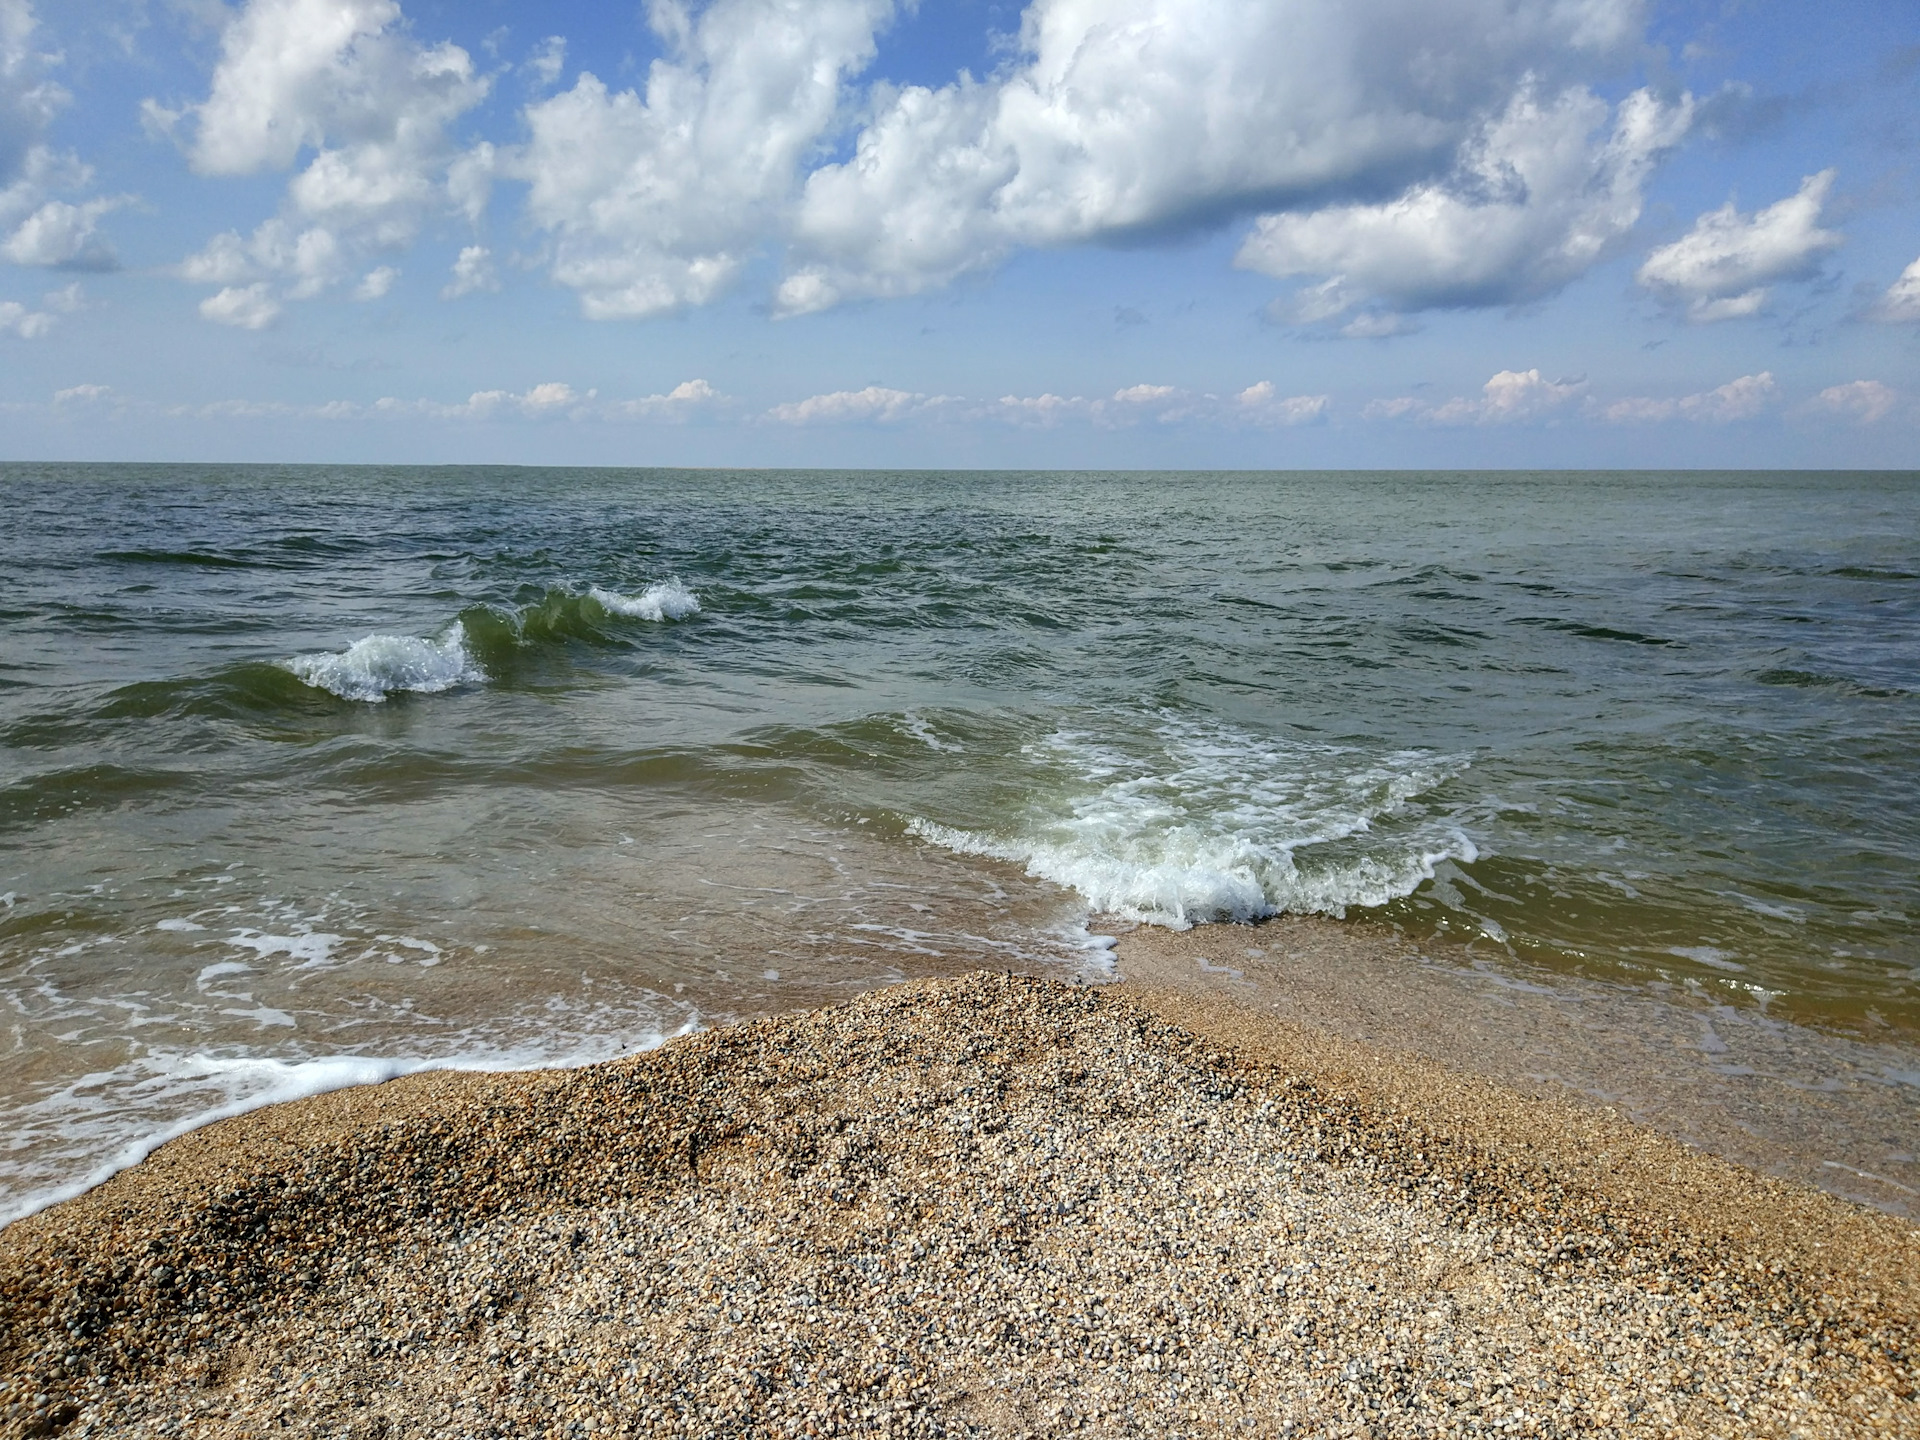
[{"x": 1401, "y": 156}]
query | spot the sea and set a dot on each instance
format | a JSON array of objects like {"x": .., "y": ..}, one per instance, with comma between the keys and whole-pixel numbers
[{"x": 313, "y": 776}]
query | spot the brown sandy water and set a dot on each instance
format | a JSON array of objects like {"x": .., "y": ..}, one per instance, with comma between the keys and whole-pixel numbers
[{"x": 1838, "y": 1113}]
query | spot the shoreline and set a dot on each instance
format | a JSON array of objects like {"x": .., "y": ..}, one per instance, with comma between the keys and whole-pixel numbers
[
  {"x": 1835, "y": 1112},
  {"x": 987, "y": 1204}
]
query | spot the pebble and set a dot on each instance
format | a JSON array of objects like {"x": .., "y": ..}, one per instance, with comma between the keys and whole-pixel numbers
[{"x": 988, "y": 1205}]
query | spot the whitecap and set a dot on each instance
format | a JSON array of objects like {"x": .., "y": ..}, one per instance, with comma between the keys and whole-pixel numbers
[
  {"x": 1217, "y": 825},
  {"x": 374, "y": 667},
  {"x": 252, "y": 1083},
  {"x": 664, "y": 600}
]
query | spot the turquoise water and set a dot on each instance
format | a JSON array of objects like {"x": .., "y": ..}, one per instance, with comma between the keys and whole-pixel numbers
[{"x": 309, "y": 775}]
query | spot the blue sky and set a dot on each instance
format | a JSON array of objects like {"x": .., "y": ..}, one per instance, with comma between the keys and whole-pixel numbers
[{"x": 1191, "y": 233}]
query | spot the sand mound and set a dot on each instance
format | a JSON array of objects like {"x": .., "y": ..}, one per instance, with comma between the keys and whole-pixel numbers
[{"x": 985, "y": 1205}]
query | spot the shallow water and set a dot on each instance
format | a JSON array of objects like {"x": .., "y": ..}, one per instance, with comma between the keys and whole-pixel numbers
[{"x": 521, "y": 766}]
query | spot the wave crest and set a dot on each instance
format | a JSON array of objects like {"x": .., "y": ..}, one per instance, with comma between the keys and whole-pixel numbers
[
  {"x": 663, "y": 600},
  {"x": 372, "y": 668},
  {"x": 1222, "y": 826}
]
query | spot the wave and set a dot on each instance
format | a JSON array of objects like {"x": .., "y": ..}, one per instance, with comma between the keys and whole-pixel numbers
[
  {"x": 1216, "y": 825},
  {"x": 666, "y": 600},
  {"x": 1815, "y": 680},
  {"x": 485, "y": 640},
  {"x": 372, "y": 668},
  {"x": 254, "y": 1082}
]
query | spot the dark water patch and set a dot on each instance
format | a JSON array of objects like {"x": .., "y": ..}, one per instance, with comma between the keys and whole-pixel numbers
[
  {"x": 204, "y": 559},
  {"x": 1839, "y": 684},
  {"x": 248, "y": 690},
  {"x": 1597, "y": 632},
  {"x": 60, "y": 793},
  {"x": 1867, "y": 572}
]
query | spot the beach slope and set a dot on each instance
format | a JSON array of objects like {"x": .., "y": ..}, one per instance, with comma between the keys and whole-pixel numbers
[{"x": 984, "y": 1205}]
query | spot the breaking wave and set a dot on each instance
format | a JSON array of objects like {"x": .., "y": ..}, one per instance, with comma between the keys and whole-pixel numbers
[
  {"x": 486, "y": 639},
  {"x": 370, "y": 669},
  {"x": 1215, "y": 825}
]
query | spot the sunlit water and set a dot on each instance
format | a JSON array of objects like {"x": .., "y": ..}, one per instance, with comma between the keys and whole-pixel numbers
[{"x": 309, "y": 776}]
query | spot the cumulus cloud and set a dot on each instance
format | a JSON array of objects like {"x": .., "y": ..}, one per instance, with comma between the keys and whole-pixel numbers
[
  {"x": 1262, "y": 404},
  {"x": 246, "y": 307},
  {"x": 1124, "y": 118},
  {"x": 1110, "y": 120},
  {"x": 472, "y": 270},
  {"x": 1510, "y": 397},
  {"x": 17, "y": 320},
  {"x": 655, "y": 202},
  {"x": 36, "y": 228},
  {"x": 346, "y": 81},
  {"x": 24, "y": 323},
  {"x": 1901, "y": 304},
  {"x": 1724, "y": 268},
  {"x": 1863, "y": 400},
  {"x": 548, "y": 400},
  {"x": 874, "y": 405},
  {"x": 1741, "y": 399},
  {"x": 1546, "y": 189},
  {"x": 376, "y": 283},
  {"x": 548, "y": 60},
  {"x": 679, "y": 403}
]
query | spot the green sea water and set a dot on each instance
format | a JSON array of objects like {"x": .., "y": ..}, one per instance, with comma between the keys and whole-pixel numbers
[{"x": 311, "y": 775}]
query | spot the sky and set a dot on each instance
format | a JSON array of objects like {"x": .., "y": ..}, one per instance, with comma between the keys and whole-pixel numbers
[{"x": 1084, "y": 233}]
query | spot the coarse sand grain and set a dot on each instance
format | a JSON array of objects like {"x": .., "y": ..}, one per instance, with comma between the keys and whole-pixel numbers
[{"x": 988, "y": 1205}]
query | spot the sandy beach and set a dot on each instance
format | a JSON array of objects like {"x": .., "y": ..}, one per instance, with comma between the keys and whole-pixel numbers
[{"x": 987, "y": 1205}]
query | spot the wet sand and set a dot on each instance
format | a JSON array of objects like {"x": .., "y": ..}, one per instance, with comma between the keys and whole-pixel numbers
[
  {"x": 985, "y": 1205},
  {"x": 1840, "y": 1113}
]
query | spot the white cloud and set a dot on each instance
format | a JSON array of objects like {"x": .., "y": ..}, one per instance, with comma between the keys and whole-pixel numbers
[
  {"x": 82, "y": 394},
  {"x": 376, "y": 284},
  {"x": 1543, "y": 192},
  {"x": 548, "y": 60},
  {"x": 1510, "y": 397},
  {"x": 64, "y": 235},
  {"x": 1043, "y": 411},
  {"x": 345, "y": 80},
  {"x": 549, "y": 400},
  {"x": 656, "y": 203},
  {"x": 1724, "y": 268},
  {"x": 248, "y": 307},
  {"x": 876, "y": 404},
  {"x": 306, "y": 261},
  {"x": 1863, "y": 400},
  {"x": 686, "y": 398},
  {"x": 1137, "y": 117},
  {"x": 1741, "y": 399},
  {"x": 472, "y": 270},
  {"x": 1264, "y": 405},
  {"x": 18, "y": 320},
  {"x": 1259, "y": 404},
  {"x": 36, "y": 228},
  {"x": 1901, "y": 304}
]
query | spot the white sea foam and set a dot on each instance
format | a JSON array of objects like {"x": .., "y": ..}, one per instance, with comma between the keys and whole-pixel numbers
[
  {"x": 310, "y": 948},
  {"x": 375, "y": 667},
  {"x": 96, "y": 1105},
  {"x": 664, "y": 600},
  {"x": 1209, "y": 824}
]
